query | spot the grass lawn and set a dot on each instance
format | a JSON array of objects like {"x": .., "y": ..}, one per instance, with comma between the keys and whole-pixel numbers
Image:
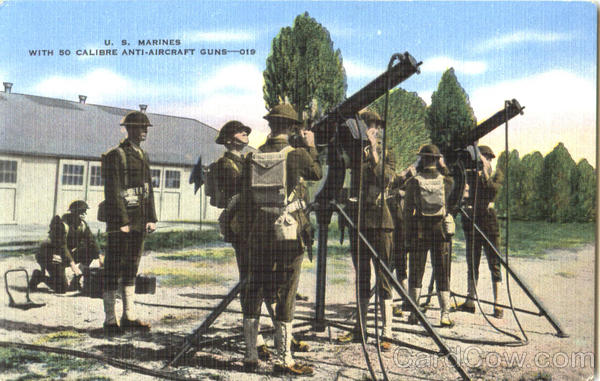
[{"x": 534, "y": 238}]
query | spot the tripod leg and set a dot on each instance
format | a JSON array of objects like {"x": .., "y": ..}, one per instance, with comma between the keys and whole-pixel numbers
[
  {"x": 193, "y": 338},
  {"x": 551, "y": 319}
]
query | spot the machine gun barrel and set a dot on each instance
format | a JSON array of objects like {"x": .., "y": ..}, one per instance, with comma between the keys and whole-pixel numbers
[
  {"x": 406, "y": 67},
  {"x": 511, "y": 109}
]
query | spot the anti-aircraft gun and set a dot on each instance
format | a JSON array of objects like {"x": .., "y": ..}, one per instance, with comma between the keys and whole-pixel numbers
[{"x": 343, "y": 135}]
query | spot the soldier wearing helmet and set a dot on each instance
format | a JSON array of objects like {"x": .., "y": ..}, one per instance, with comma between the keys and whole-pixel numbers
[
  {"x": 130, "y": 215},
  {"x": 71, "y": 243},
  {"x": 275, "y": 264},
  {"x": 425, "y": 212},
  {"x": 482, "y": 192},
  {"x": 376, "y": 223}
]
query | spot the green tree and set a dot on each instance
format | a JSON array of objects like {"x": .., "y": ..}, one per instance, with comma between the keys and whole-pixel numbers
[
  {"x": 515, "y": 185},
  {"x": 303, "y": 69},
  {"x": 584, "y": 192},
  {"x": 406, "y": 130},
  {"x": 557, "y": 184},
  {"x": 533, "y": 206},
  {"x": 450, "y": 115}
]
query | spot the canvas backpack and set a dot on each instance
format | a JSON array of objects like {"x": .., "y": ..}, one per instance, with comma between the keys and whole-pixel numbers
[
  {"x": 268, "y": 178},
  {"x": 212, "y": 187},
  {"x": 268, "y": 189},
  {"x": 431, "y": 197}
]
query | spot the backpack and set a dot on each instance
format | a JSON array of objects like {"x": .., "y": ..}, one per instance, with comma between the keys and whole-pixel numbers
[
  {"x": 102, "y": 206},
  {"x": 268, "y": 178},
  {"x": 268, "y": 189},
  {"x": 431, "y": 197},
  {"x": 212, "y": 189}
]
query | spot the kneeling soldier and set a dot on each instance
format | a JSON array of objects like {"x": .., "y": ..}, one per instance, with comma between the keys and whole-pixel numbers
[{"x": 70, "y": 243}]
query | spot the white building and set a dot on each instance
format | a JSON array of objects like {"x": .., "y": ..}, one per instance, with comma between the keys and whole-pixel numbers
[{"x": 50, "y": 155}]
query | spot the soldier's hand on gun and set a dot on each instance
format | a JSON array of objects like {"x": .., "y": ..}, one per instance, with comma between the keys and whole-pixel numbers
[
  {"x": 150, "y": 227},
  {"x": 309, "y": 137},
  {"x": 101, "y": 260},
  {"x": 124, "y": 229}
]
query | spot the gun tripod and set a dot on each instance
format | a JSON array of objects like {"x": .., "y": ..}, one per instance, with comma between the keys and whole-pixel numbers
[{"x": 320, "y": 323}]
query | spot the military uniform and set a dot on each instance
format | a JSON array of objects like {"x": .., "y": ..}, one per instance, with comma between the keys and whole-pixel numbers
[
  {"x": 482, "y": 192},
  {"x": 124, "y": 250},
  {"x": 275, "y": 265},
  {"x": 377, "y": 224},
  {"x": 426, "y": 233},
  {"x": 70, "y": 240},
  {"x": 129, "y": 202},
  {"x": 485, "y": 218}
]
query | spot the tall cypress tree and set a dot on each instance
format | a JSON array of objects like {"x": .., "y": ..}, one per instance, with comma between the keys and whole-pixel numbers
[
  {"x": 515, "y": 185},
  {"x": 304, "y": 69},
  {"x": 406, "y": 130},
  {"x": 450, "y": 115},
  {"x": 557, "y": 184},
  {"x": 584, "y": 192},
  {"x": 533, "y": 206}
]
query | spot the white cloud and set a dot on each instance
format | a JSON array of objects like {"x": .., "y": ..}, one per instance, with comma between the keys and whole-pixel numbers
[
  {"x": 559, "y": 107},
  {"x": 100, "y": 85},
  {"x": 520, "y": 37},
  {"x": 217, "y": 36},
  {"x": 441, "y": 64},
  {"x": 234, "y": 77},
  {"x": 360, "y": 70}
]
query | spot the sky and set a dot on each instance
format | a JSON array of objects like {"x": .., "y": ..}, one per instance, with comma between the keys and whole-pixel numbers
[{"x": 541, "y": 53}]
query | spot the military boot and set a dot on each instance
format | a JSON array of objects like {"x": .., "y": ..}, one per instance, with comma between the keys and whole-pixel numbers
[
  {"x": 387, "y": 319},
  {"x": 399, "y": 309},
  {"x": 444, "y": 299},
  {"x": 285, "y": 363},
  {"x": 498, "y": 312},
  {"x": 414, "y": 294},
  {"x": 250, "y": 334},
  {"x": 129, "y": 321},
  {"x": 111, "y": 328},
  {"x": 469, "y": 304}
]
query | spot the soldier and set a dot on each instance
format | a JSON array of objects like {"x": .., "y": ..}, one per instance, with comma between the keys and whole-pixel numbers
[
  {"x": 480, "y": 206},
  {"x": 276, "y": 262},
  {"x": 70, "y": 243},
  {"x": 130, "y": 214},
  {"x": 234, "y": 136},
  {"x": 424, "y": 213},
  {"x": 400, "y": 252},
  {"x": 376, "y": 225}
]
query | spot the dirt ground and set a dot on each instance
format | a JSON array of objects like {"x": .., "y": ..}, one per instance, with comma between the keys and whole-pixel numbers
[{"x": 563, "y": 281}]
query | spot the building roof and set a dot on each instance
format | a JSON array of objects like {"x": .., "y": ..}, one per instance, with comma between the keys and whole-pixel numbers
[{"x": 41, "y": 126}]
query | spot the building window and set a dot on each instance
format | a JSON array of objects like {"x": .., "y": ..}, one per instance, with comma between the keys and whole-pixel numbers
[
  {"x": 96, "y": 176},
  {"x": 72, "y": 174},
  {"x": 8, "y": 171},
  {"x": 172, "y": 179},
  {"x": 155, "y": 173}
]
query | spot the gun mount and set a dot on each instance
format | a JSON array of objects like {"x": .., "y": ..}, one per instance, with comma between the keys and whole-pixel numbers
[
  {"x": 325, "y": 127},
  {"x": 463, "y": 157}
]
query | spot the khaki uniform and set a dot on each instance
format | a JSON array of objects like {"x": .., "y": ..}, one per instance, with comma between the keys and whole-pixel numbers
[
  {"x": 73, "y": 242},
  {"x": 377, "y": 224},
  {"x": 229, "y": 169},
  {"x": 125, "y": 249},
  {"x": 424, "y": 234},
  {"x": 275, "y": 265},
  {"x": 485, "y": 218}
]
